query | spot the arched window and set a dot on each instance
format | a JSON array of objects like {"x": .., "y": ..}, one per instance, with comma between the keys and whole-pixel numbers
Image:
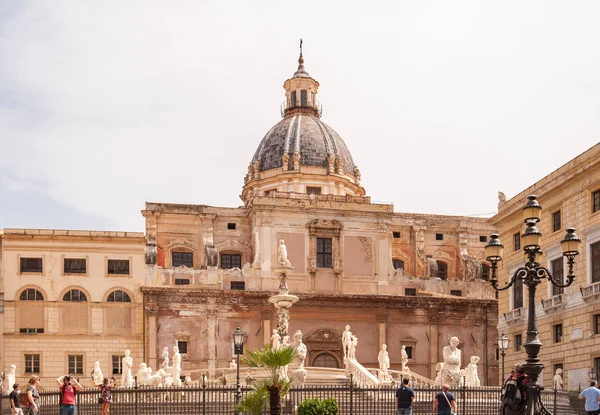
[
  {"x": 326, "y": 360},
  {"x": 398, "y": 264},
  {"x": 118, "y": 313},
  {"x": 31, "y": 311},
  {"x": 118, "y": 296},
  {"x": 75, "y": 312},
  {"x": 442, "y": 270}
]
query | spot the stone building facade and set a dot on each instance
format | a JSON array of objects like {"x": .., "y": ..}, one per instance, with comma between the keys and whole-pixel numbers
[
  {"x": 70, "y": 298},
  {"x": 397, "y": 279},
  {"x": 568, "y": 319}
]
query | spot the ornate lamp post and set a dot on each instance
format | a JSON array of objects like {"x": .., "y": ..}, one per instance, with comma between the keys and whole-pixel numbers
[
  {"x": 592, "y": 374},
  {"x": 503, "y": 347},
  {"x": 532, "y": 275},
  {"x": 238, "y": 349}
]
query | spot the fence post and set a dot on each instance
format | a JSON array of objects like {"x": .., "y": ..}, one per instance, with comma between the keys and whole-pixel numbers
[
  {"x": 135, "y": 394},
  {"x": 555, "y": 396},
  {"x": 579, "y": 401},
  {"x": 351, "y": 394},
  {"x": 464, "y": 397},
  {"x": 203, "y": 394}
]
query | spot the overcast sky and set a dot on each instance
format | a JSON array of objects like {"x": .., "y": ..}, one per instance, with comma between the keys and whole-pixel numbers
[{"x": 107, "y": 104}]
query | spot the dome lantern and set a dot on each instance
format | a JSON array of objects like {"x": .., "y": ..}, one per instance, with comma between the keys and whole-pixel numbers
[{"x": 301, "y": 92}]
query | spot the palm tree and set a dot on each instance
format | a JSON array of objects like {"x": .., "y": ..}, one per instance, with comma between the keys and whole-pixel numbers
[{"x": 271, "y": 361}]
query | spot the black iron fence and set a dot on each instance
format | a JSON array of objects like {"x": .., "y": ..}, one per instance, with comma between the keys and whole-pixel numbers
[{"x": 217, "y": 399}]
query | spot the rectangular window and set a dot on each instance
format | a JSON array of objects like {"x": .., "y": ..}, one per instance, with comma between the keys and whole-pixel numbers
[
  {"x": 409, "y": 351},
  {"x": 556, "y": 221},
  {"x": 557, "y": 331},
  {"x": 482, "y": 238},
  {"x": 457, "y": 293},
  {"x": 117, "y": 365},
  {"x": 182, "y": 281},
  {"x": 76, "y": 364},
  {"x": 410, "y": 292},
  {"x": 518, "y": 294},
  {"x": 517, "y": 241},
  {"x": 485, "y": 272},
  {"x": 396, "y": 235},
  {"x": 313, "y": 190},
  {"x": 497, "y": 354},
  {"x": 231, "y": 226},
  {"x": 182, "y": 259},
  {"x": 518, "y": 342},
  {"x": 303, "y": 98},
  {"x": 439, "y": 236},
  {"x": 75, "y": 266},
  {"x": 229, "y": 261},
  {"x": 442, "y": 270},
  {"x": 32, "y": 363},
  {"x": 595, "y": 251},
  {"x": 324, "y": 253},
  {"x": 238, "y": 285},
  {"x": 596, "y": 201},
  {"x": 398, "y": 264},
  {"x": 597, "y": 366},
  {"x": 182, "y": 346},
  {"x": 293, "y": 99},
  {"x": 558, "y": 273},
  {"x": 596, "y": 328},
  {"x": 118, "y": 267},
  {"x": 31, "y": 331},
  {"x": 31, "y": 265}
]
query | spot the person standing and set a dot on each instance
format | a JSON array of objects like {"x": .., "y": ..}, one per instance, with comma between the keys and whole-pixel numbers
[
  {"x": 14, "y": 400},
  {"x": 514, "y": 393},
  {"x": 106, "y": 394},
  {"x": 592, "y": 398},
  {"x": 404, "y": 398},
  {"x": 67, "y": 394},
  {"x": 33, "y": 396},
  {"x": 444, "y": 402}
]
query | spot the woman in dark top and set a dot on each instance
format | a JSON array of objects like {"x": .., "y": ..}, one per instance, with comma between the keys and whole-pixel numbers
[
  {"x": 106, "y": 394},
  {"x": 33, "y": 396}
]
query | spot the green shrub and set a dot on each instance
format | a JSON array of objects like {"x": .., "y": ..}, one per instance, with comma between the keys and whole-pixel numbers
[{"x": 318, "y": 407}]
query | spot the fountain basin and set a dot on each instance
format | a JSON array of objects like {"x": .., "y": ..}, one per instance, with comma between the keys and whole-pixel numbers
[{"x": 283, "y": 300}]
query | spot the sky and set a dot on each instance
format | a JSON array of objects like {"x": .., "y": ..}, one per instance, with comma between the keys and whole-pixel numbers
[{"x": 105, "y": 105}]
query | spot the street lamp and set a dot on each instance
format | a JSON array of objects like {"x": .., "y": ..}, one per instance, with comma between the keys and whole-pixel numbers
[
  {"x": 503, "y": 347},
  {"x": 532, "y": 274},
  {"x": 238, "y": 349},
  {"x": 592, "y": 373}
]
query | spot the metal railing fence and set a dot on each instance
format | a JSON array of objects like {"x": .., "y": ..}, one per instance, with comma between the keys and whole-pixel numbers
[{"x": 212, "y": 399}]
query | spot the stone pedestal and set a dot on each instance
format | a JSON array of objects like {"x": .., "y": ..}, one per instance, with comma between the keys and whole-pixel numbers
[{"x": 212, "y": 276}]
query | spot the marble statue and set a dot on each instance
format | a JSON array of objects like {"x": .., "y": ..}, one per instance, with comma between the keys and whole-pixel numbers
[
  {"x": 127, "y": 364},
  {"x": 97, "y": 376},
  {"x": 558, "y": 379},
  {"x": 438, "y": 370},
  {"x": 233, "y": 364},
  {"x": 471, "y": 375},
  {"x": 11, "y": 377},
  {"x": 452, "y": 363},
  {"x": 501, "y": 198},
  {"x": 346, "y": 341},
  {"x": 301, "y": 350},
  {"x": 285, "y": 342},
  {"x": 275, "y": 340},
  {"x": 283, "y": 321},
  {"x": 352, "y": 351},
  {"x": 404, "y": 359},
  {"x": 176, "y": 369},
  {"x": 146, "y": 377},
  {"x": 384, "y": 363},
  {"x": 165, "y": 358},
  {"x": 282, "y": 258}
]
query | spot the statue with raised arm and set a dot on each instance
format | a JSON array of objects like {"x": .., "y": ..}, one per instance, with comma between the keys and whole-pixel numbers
[
  {"x": 127, "y": 364},
  {"x": 282, "y": 257},
  {"x": 165, "y": 358},
  {"x": 346, "y": 341},
  {"x": 452, "y": 363}
]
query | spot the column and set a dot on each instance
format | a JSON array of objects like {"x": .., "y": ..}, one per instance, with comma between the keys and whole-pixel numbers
[
  {"x": 211, "y": 316},
  {"x": 151, "y": 342},
  {"x": 266, "y": 316}
]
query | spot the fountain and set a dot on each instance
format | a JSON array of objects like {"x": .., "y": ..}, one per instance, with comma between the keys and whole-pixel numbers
[{"x": 283, "y": 301}]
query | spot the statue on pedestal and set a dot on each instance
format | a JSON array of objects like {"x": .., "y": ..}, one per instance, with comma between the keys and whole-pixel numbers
[
  {"x": 282, "y": 258},
  {"x": 301, "y": 350},
  {"x": 471, "y": 375},
  {"x": 346, "y": 341},
  {"x": 275, "y": 340},
  {"x": 233, "y": 364},
  {"x": 176, "y": 369},
  {"x": 452, "y": 362},
  {"x": 404, "y": 360},
  {"x": 127, "y": 364},
  {"x": 97, "y": 376},
  {"x": 384, "y": 363},
  {"x": 558, "y": 379}
]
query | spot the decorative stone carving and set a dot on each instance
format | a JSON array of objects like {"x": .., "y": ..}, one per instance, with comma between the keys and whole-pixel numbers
[
  {"x": 356, "y": 176},
  {"x": 471, "y": 268},
  {"x": 431, "y": 268},
  {"x": 439, "y": 378},
  {"x": 283, "y": 321},
  {"x": 339, "y": 165},
  {"x": 151, "y": 250},
  {"x": 301, "y": 350},
  {"x": 384, "y": 364},
  {"x": 501, "y": 199},
  {"x": 463, "y": 243},
  {"x": 352, "y": 350},
  {"x": 296, "y": 159},
  {"x": 127, "y": 364},
  {"x": 233, "y": 364},
  {"x": 146, "y": 377},
  {"x": 367, "y": 248},
  {"x": 97, "y": 376},
  {"x": 285, "y": 161},
  {"x": 11, "y": 377},
  {"x": 404, "y": 360},
  {"x": 558, "y": 379},
  {"x": 331, "y": 163},
  {"x": 282, "y": 257},
  {"x": 275, "y": 340},
  {"x": 471, "y": 375},
  {"x": 212, "y": 256},
  {"x": 346, "y": 341},
  {"x": 165, "y": 358},
  {"x": 256, "y": 170},
  {"x": 176, "y": 369},
  {"x": 452, "y": 362}
]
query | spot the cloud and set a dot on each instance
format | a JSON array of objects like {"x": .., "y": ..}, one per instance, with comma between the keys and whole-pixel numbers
[{"x": 107, "y": 104}]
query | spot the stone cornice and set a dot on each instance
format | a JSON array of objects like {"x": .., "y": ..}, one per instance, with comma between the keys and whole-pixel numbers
[{"x": 190, "y": 209}]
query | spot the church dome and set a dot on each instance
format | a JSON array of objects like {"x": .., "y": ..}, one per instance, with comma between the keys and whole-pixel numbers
[{"x": 302, "y": 154}]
